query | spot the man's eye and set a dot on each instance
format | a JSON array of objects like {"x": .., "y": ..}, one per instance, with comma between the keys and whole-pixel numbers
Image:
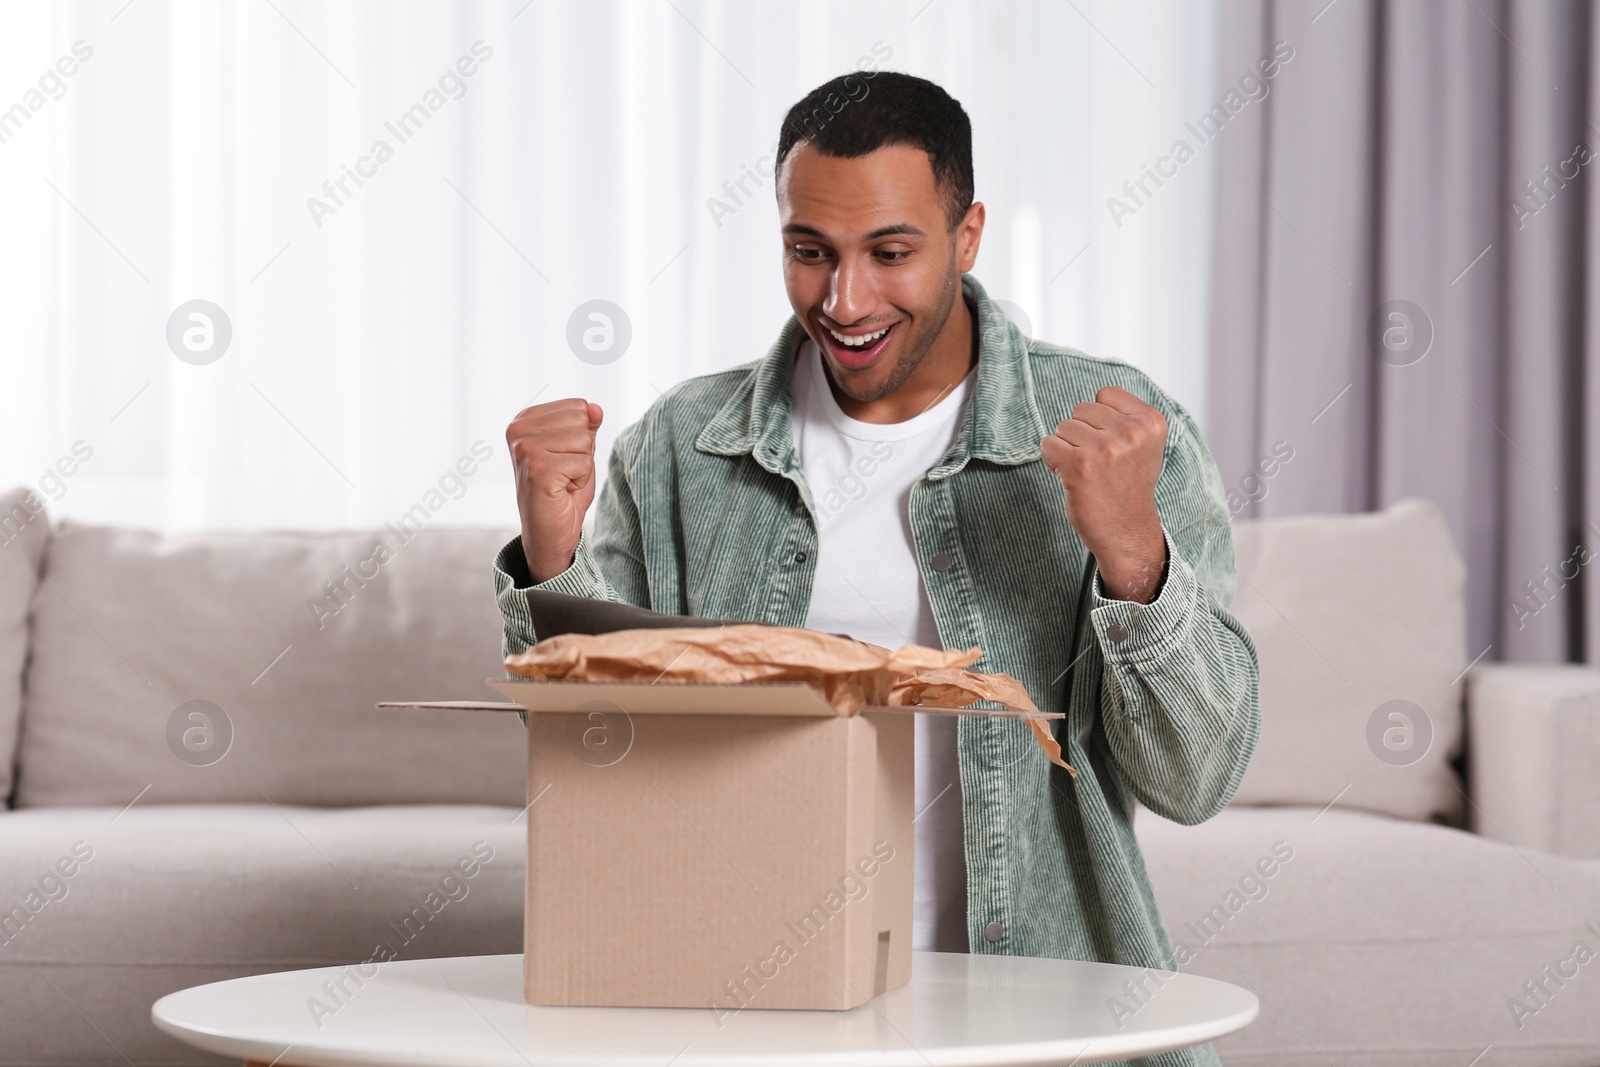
[
  {"x": 807, "y": 254},
  {"x": 893, "y": 256}
]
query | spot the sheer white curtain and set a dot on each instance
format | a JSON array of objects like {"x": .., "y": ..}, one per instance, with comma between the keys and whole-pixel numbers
[{"x": 554, "y": 154}]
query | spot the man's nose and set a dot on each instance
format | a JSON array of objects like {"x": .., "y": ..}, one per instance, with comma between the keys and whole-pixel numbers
[{"x": 850, "y": 296}]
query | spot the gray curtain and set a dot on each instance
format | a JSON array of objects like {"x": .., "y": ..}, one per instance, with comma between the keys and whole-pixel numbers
[{"x": 1405, "y": 271}]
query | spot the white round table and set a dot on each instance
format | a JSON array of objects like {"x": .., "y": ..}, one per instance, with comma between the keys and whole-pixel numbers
[{"x": 958, "y": 1010}]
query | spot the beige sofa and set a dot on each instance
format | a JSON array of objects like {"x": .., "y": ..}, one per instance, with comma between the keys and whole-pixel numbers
[
  {"x": 1441, "y": 825},
  {"x": 291, "y": 824},
  {"x": 154, "y": 842}
]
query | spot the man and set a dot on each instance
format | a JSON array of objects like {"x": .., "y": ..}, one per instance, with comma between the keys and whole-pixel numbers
[{"x": 905, "y": 467}]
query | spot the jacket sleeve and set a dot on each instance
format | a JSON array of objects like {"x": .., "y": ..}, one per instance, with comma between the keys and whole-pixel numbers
[
  {"x": 607, "y": 566},
  {"x": 1179, "y": 694}
]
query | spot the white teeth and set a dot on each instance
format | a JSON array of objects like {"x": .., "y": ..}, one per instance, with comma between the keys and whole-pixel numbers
[{"x": 858, "y": 342}]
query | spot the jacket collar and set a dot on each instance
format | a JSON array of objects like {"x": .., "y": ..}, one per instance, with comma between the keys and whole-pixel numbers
[{"x": 1002, "y": 423}]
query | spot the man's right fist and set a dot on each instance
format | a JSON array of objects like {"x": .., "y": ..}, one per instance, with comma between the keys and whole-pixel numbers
[{"x": 552, "y": 451}]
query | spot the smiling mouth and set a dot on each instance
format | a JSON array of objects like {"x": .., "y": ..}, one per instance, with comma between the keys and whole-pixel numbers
[{"x": 858, "y": 351}]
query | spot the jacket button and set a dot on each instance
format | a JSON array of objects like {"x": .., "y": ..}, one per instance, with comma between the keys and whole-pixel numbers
[
  {"x": 941, "y": 561},
  {"x": 1117, "y": 632},
  {"x": 994, "y": 931},
  {"x": 799, "y": 557}
]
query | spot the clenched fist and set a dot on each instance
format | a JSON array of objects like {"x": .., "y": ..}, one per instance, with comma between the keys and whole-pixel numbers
[
  {"x": 1108, "y": 456},
  {"x": 552, "y": 451}
]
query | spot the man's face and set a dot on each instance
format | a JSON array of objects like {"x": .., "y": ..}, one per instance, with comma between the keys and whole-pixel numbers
[{"x": 867, "y": 248}]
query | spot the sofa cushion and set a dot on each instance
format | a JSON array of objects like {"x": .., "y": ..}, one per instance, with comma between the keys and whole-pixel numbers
[
  {"x": 24, "y": 531},
  {"x": 245, "y": 666},
  {"x": 1360, "y": 626},
  {"x": 1380, "y": 941},
  {"x": 120, "y": 909}
]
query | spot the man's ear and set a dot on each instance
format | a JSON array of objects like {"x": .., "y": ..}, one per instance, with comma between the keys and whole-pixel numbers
[{"x": 969, "y": 231}]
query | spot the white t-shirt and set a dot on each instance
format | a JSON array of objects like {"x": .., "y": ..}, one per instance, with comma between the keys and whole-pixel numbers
[{"x": 868, "y": 586}]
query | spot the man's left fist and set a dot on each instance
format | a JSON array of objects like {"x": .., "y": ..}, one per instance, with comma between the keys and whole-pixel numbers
[{"x": 1108, "y": 456}]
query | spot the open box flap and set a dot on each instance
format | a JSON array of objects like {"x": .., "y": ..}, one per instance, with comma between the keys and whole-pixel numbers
[
  {"x": 686, "y": 698},
  {"x": 711, "y": 698}
]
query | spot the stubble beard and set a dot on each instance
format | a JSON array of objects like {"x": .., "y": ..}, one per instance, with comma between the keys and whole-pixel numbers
[{"x": 917, "y": 348}]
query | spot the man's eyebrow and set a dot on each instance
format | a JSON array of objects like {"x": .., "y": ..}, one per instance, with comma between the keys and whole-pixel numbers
[
  {"x": 904, "y": 228},
  {"x": 898, "y": 228}
]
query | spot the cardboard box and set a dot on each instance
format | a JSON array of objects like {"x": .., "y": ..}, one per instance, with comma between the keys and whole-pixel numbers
[{"x": 715, "y": 846}]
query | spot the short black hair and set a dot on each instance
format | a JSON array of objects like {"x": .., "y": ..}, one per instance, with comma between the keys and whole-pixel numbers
[{"x": 858, "y": 113}]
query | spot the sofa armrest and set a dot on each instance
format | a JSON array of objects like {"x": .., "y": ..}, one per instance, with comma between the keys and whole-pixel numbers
[{"x": 1534, "y": 756}]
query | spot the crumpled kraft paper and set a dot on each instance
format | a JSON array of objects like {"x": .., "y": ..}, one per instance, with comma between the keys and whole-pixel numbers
[{"x": 849, "y": 674}]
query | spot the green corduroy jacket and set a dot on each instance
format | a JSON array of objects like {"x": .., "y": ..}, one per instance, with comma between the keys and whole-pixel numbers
[{"x": 706, "y": 512}]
